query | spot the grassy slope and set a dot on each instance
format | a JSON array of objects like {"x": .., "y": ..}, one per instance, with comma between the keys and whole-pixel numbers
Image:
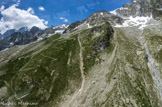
[
  {"x": 93, "y": 46},
  {"x": 124, "y": 82},
  {"x": 135, "y": 80},
  {"x": 153, "y": 39},
  {"x": 44, "y": 75},
  {"x": 46, "y": 72}
]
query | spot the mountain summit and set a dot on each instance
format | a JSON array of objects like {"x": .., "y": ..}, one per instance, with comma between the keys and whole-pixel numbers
[{"x": 140, "y": 8}]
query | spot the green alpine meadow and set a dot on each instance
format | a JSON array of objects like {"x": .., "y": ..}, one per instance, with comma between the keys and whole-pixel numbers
[{"x": 109, "y": 59}]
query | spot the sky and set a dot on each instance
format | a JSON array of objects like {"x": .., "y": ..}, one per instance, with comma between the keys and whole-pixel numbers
[{"x": 15, "y": 14}]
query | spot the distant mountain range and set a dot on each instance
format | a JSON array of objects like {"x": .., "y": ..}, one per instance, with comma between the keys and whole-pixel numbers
[
  {"x": 24, "y": 36},
  {"x": 11, "y": 31}
]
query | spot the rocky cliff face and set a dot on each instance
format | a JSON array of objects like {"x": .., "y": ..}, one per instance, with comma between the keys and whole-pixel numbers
[
  {"x": 106, "y": 60},
  {"x": 140, "y": 8},
  {"x": 136, "y": 8}
]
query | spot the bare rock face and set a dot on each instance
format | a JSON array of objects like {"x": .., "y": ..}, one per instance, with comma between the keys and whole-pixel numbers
[
  {"x": 135, "y": 8},
  {"x": 140, "y": 8},
  {"x": 96, "y": 19},
  {"x": 102, "y": 17}
]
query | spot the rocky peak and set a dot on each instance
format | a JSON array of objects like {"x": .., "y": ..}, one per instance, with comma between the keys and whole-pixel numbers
[
  {"x": 95, "y": 19},
  {"x": 157, "y": 3},
  {"x": 22, "y": 29},
  {"x": 34, "y": 29},
  {"x": 139, "y": 8},
  {"x": 135, "y": 8},
  {"x": 102, "y": 17}
]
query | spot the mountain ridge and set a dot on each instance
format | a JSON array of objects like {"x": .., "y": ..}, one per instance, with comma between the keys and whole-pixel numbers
[{"x": 33, "y": 35}]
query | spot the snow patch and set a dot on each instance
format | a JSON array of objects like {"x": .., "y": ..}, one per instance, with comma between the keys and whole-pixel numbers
[
  {"x": 89, "y": 25},
  {"x": 123, "y": 8},
  {"x": 141, "y": 22},
  {"x": 64, "y": 26},
  {"x": 55, "y": 27},
  {"x": 101, "y": 14},
  {"x": 39, "y": 39},
  {"x": 80, "y": 26},
  {"x": 114, "y": 12},
  {"x": 134, "y": 1},
  {"x": 59, "y": 31},
  {"x": 61, "y": 26},
  {"x": 11, "y": 43}
]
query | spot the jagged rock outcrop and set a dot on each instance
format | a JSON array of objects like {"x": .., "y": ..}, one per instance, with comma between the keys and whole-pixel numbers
[{"x": 140, "y": 8}]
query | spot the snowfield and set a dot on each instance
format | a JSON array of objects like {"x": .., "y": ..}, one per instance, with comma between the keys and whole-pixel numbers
[{"x": 141, "y": 22}]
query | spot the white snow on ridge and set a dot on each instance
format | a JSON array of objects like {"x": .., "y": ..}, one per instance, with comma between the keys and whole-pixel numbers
[
  {"x": 89, "y": 25},
  {"x": 55, "y": 27},
  {"x": 114, "y": 12},
  {"x": 85, "y": 24},
  {"x": 11, "y": 43},
  {"x": 64, "y": 26},
  {"x": 59, "y": 31},
  {"x": 123, "y": 8},
  {"x": 39, "y": 39},
  {"x": 61, "y": 26},
  {"x": 135, "y": 21},
  {"x": 134, "y": 1}
]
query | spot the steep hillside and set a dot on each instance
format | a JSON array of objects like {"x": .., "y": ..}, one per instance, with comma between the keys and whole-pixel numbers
[
  {"x": 45, "y": 75},
  {"x": 107, "y": 60}
]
